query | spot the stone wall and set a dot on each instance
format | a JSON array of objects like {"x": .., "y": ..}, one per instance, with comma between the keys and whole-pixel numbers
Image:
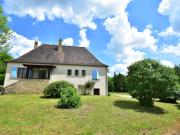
[{"x": 27, "y": 86}]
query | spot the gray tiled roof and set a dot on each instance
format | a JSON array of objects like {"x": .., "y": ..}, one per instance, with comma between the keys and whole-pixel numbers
[{"x": 48, "y": 54}]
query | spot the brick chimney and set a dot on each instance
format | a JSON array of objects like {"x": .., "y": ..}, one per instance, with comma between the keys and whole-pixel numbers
[
  {"x": 35, "y": 44},
  {"x": 60, "y": 45}
]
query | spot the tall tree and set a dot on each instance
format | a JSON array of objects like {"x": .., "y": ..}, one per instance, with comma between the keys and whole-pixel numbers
[
  {"x": 4, "y": 57},
  {"x": 4, "y": 46},
  {"x": 119, "y": 82},
  {"x": 177, "y": 70},
  {"x": 110, "y": 84},
  {"x": 5, "y": 32}
]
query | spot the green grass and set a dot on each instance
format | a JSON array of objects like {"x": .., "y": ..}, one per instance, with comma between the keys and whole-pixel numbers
[{"x": 30, "y": 114}]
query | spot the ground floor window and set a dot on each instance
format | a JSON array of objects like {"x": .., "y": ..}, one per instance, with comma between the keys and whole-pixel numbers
[
  {"x": 22, "y": 72},
  {"x": 34, "y": 73}
]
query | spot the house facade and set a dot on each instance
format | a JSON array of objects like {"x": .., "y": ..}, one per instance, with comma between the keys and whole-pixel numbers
[{"x": 33, "y": 71}]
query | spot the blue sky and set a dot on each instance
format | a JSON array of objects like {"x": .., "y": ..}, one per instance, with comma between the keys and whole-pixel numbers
[{"x": 118, "y": 32}]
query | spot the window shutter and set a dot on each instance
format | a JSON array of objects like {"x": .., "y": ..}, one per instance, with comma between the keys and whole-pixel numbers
[
  {"x": 14, "y": 72},
  {"x": 95, "y": 74}
]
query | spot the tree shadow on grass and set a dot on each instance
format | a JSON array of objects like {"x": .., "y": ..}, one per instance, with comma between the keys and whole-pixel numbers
[
  {"x": 46, "y": 97},
  {"x": 134, "y": 105},
  {"x": 178, "y": 106}
]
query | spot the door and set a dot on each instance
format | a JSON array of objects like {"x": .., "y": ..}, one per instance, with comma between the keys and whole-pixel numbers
[{"x": 96, "y": 91}]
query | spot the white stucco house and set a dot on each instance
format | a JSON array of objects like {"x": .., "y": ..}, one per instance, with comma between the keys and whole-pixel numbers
[{"x": 33, "y": 71}]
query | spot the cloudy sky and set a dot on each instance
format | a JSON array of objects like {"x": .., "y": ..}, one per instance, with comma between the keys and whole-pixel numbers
[{"x": 118, "y": 32}]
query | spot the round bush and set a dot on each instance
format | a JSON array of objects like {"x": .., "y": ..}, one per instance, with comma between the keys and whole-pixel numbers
[
  {"x": 69, "y": 98},
  {"x": 148, "y": 80},
  {"x": 54, "y": 89}
]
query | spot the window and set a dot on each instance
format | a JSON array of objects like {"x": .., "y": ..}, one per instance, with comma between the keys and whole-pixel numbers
[
  {"x": 14, "y": 72},
  {"x": 33, "y": 73},
  {"x": 69, "y": 72},
  {"x": 40, "y": 73},
  {"x": 22, "y": 72},
  {"x": 95, "y": 74},
  {"x": 83, "y": 72},
  {"x": 76, "y": 72}
]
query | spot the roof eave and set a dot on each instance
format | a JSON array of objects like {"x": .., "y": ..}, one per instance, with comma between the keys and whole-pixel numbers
[{"x": 103, "y": 65}]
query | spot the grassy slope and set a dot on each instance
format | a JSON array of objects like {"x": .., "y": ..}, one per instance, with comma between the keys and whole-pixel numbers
[{"x": 30, "y": 114}]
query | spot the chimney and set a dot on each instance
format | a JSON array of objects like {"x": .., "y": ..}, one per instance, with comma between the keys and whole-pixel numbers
[
  {"x": 35, "y": 44},
  {"x": 60, "y": 45}
]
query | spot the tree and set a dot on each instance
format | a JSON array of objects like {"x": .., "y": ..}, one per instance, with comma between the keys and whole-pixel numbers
[
  {"x": 110, "y": 84},
  {"x": 4, "y": 46},
  {"x": 148, "y": 79},
  {"x": 177, "y": 70},
  {"x": 119, "y": 82},
  {"x": 5, "y": 33},
  {"x": 4, "y": 57}
]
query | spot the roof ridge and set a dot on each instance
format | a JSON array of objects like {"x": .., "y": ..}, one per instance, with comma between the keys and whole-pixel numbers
[{"x": 62, "y": 45}]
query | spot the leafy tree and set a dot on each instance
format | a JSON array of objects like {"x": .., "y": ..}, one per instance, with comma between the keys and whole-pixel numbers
[
  {"x": 177, "y": 70},
  {"x": 148, "y": 79},
  {"x": 5, "y": 32},
  {"x": 4, "y": 46},
  {"x": 110, "y": 84},
  {"x": 119, "y": 82},
  {"x": 4, "y": 57}
]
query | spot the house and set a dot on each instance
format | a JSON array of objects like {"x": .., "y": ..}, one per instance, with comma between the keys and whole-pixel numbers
[{"x": 33, "y": 71}]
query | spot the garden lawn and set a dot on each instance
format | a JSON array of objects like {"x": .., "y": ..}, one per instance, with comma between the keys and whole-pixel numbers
[{"x": 31, "y": 114}]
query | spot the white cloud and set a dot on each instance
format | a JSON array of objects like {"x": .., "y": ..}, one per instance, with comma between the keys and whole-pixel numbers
[
  {"x": 167, "y": 63},
  {"x": 127, "y": 42},
  {"x": 78, "y": 12},
  {"x": 20, "y": 45},
  {"x": 171, "y": 8},
  {"x": 9, "y": 19},
  {"x": 118, "y": 68},
  {"x": 173, "y": 50},
  {"x": 68, "y": 42},
  {"x": 83, "y": 42},
  {"x": 169, "y": 32},
  {"x": 128, "y": 57},
  {"x": 125, "y": 35}
]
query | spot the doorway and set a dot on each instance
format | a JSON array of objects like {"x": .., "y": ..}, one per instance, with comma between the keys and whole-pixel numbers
[{"x": 96, "y": 91}]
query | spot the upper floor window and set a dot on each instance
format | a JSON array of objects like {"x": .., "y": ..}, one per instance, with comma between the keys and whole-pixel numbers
[
  {"x": 76, "y": 72},
  {"x": 69, "y": 72},
  {"x": 83, "y": 72},
  {"x": 95, "y": 74}
]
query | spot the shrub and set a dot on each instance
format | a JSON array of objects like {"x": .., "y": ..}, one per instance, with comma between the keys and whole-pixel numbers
[
  {"x": 109, "y": 94},
  {"x": 54, "y": 89},
  {"x": 86, "y": 88},
  {"x": 148, "y": 79},
  {"x": 69, "y": 98}
]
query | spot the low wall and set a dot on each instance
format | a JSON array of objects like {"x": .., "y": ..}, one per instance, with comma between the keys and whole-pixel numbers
[{"x": 27, "y": 86}]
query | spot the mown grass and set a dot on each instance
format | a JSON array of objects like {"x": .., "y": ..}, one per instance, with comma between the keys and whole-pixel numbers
[{"x": 31, "y": 114}]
